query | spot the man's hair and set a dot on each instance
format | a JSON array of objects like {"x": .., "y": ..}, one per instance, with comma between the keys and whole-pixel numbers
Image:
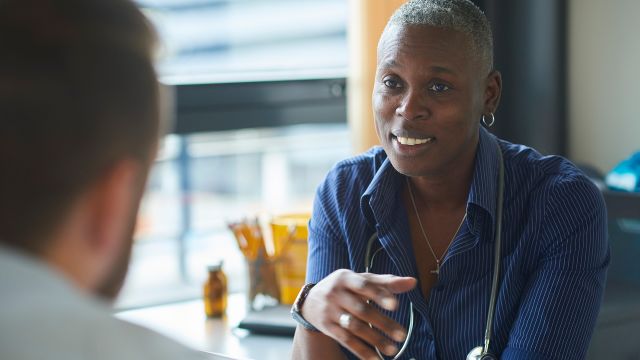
[
  {"x": 459, "y": 15},
  {"x": 78, "y": 93}
]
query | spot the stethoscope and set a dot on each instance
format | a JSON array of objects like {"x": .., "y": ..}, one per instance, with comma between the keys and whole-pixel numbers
[{"x": 478, "y": 352}]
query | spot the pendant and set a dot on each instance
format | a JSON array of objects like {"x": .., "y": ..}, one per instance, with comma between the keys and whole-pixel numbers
[{"x": 436, "y": 272}]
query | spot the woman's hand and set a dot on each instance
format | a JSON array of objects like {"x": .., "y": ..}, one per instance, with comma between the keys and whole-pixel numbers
[{"x": 344, "y": 294}]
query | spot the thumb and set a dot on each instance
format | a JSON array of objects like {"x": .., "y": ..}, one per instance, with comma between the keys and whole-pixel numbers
[
  {"x": 402, "y": 284},
  {"x": 395, "y": 284}
]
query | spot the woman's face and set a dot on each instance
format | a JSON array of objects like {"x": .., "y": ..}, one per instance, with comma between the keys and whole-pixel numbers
[{"x": 429, "y": 95}]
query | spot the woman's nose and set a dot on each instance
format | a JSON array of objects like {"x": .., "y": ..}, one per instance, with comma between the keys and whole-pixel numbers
[{"x": 413, "y": 106}]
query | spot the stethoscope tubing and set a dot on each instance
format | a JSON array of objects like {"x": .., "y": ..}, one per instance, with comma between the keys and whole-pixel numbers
[
  {"x": 485, "y": 354},
  {"x": 367, "y": 266},
  {"x": 497, "y": 255}
]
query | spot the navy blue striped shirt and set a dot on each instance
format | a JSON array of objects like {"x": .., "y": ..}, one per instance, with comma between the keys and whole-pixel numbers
[{"x": 554, "y": 252}]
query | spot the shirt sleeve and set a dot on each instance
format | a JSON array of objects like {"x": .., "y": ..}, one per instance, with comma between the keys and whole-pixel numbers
[
  {"x": 563, "y": 297},
  {"x": 327, "y": 247}
]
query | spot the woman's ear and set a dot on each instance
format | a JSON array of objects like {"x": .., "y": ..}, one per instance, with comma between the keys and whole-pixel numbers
[{"x": 492, "y": 92}]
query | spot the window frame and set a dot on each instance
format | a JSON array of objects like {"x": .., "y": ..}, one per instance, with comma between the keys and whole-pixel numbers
[{"x": 207, "y": 107}]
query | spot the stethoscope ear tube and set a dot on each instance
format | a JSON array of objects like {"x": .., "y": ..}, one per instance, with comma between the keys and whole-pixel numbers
[
  {"x": 496, "y": 259},
  {"x": 482, "y": 352},
  {"x": 367, "y": 257}
]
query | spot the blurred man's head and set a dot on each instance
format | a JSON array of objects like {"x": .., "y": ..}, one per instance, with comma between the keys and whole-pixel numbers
[{"x": 79, "y": 125}]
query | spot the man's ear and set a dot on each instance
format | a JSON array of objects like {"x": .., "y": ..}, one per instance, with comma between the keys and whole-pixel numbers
[
  {"x": 112, "y": 203},
  {"x": 492, "y": 92}
]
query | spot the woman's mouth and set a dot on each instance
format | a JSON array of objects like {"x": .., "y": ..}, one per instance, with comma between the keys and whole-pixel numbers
[
  {"x": 413, "y": 141},
  {"x": 412, "y": 145}
]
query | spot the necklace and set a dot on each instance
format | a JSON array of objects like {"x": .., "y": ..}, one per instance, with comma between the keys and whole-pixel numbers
[{"x": 424, "y": 234}]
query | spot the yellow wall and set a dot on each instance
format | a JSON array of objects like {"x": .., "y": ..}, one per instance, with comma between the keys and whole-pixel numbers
[{"x": 367, "y": 19}]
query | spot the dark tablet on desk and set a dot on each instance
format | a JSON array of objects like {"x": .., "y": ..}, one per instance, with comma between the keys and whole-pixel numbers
[{"x": 275, "y": 320}]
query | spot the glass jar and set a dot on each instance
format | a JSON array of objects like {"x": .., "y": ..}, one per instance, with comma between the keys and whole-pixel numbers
[{"x": 215, "y": 291}]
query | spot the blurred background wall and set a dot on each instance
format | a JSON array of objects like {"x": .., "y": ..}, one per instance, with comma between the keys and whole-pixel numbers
[
  {"x": 604, "y": 75},
  {"x": 271, "y": 93},
  {"x": 530, "y": 52}
]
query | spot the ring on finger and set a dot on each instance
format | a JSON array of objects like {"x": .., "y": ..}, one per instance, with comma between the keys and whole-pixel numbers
[{"x": 344, "y": 320}]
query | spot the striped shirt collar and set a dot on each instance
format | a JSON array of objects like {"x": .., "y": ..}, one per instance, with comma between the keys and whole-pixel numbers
[{"x": 387, "y": 185}]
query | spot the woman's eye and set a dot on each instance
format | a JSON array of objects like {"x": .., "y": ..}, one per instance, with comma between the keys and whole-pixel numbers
[
  {"x": 439, "y": 88},
  {"x": 390, "y": 83}
]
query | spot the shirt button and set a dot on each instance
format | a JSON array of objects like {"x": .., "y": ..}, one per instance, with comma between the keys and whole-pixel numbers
[{"x": 429, "y": 337}]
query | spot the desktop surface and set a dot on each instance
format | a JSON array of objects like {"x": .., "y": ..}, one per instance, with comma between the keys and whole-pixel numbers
[{"x": 186, "y": 322}]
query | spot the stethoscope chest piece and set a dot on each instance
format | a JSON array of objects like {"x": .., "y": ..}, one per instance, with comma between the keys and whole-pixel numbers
[{"x": 477, "y": 353}]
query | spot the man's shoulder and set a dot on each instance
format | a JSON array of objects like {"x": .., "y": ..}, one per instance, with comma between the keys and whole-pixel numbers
[
  {"x": 43, "y": 317},
  {"x": 88, "y": 331}
]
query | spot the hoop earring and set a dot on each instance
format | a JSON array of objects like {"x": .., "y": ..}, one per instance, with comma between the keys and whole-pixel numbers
[{"x": 490, "y": 122}]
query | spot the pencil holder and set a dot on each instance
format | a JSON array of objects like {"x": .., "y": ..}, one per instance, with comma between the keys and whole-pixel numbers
[
  {"x": 290, "y": 254},
  {"x": 262, "y": 279}
]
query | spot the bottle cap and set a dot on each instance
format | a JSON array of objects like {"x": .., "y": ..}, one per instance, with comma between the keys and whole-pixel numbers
[{"x": 217, "y": 266}]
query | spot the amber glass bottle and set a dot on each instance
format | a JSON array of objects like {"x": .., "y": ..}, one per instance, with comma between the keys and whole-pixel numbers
[{"x": 215, "y": 292}]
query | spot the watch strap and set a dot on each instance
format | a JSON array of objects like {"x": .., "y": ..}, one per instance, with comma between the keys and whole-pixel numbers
[{"x": 296, "y": 309}]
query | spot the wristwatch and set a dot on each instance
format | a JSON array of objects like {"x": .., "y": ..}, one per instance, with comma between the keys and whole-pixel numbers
[{"x": 296, "y": 309}]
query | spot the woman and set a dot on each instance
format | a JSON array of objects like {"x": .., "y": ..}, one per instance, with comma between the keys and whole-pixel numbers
[{"x": 428, "y": 201}]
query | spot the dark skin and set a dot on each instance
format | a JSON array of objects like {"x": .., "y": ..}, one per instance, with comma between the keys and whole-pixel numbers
[
  {"x": 427, "y": 87},
  {"x": 430, "y": 93}
]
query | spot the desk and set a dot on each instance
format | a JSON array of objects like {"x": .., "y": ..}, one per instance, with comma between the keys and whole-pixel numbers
[{"x": 187, "y": 323}]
